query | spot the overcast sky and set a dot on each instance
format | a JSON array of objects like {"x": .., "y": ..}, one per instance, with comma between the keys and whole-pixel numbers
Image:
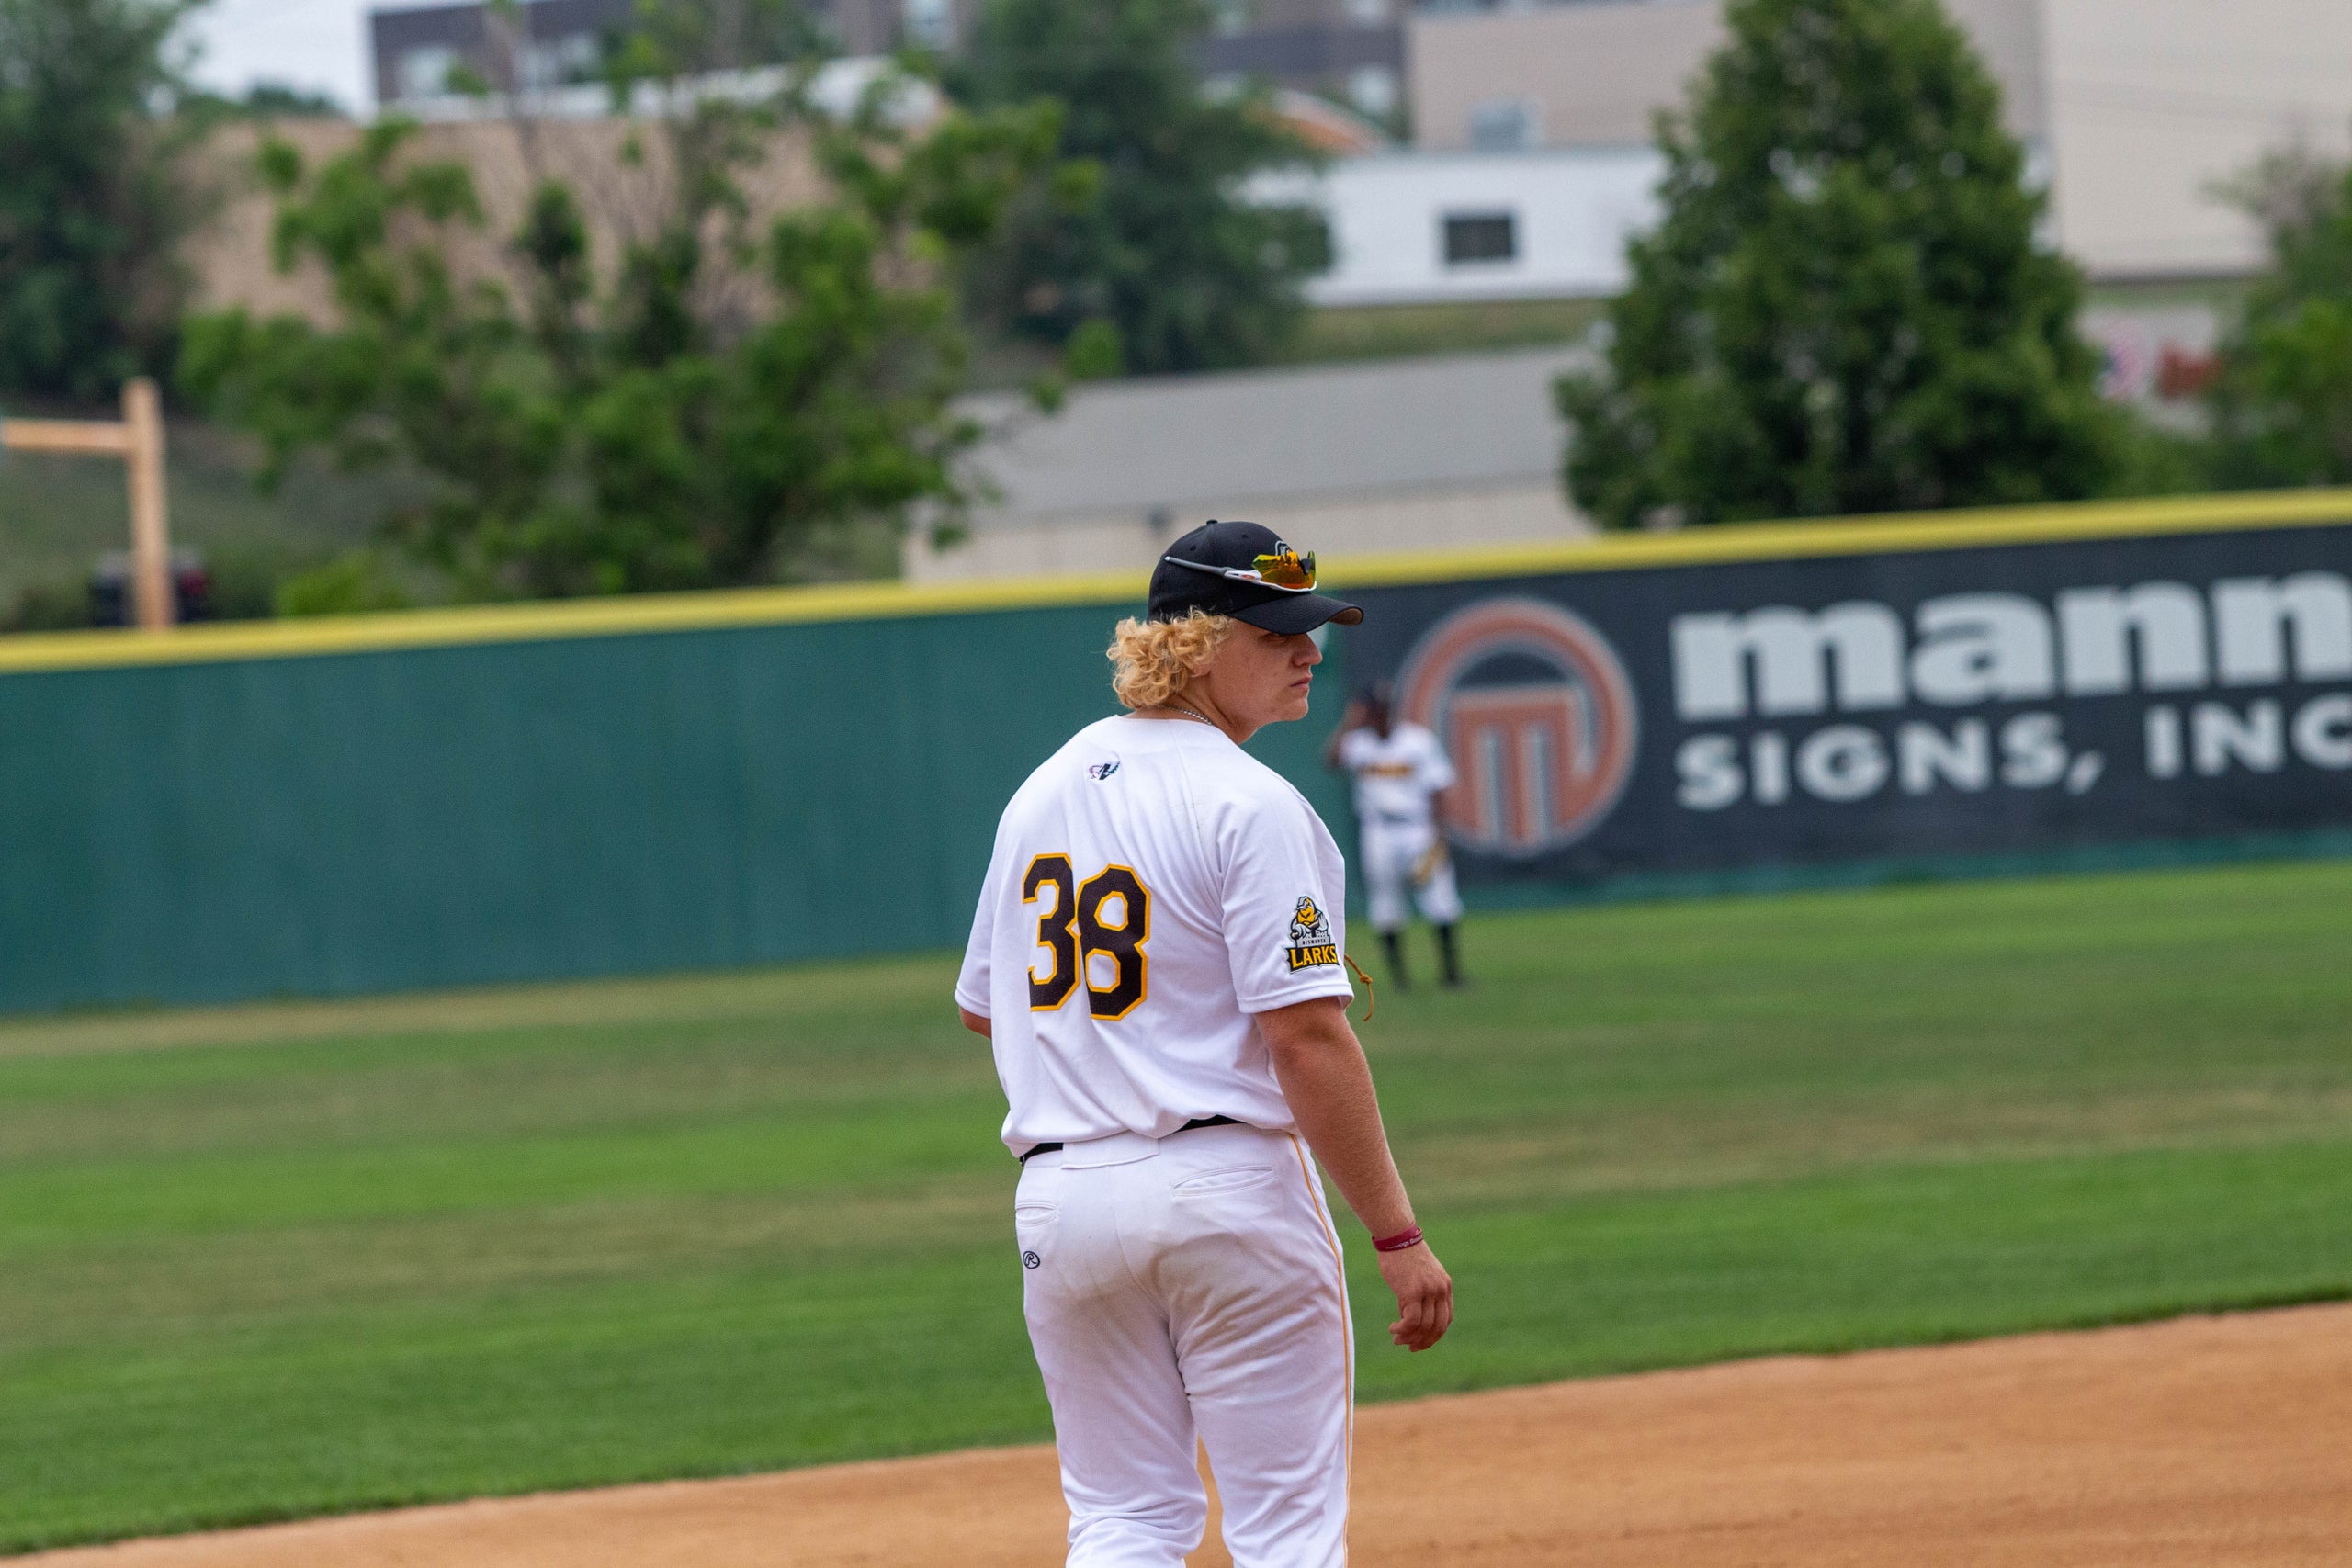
[{"x": 318, "y": 45}]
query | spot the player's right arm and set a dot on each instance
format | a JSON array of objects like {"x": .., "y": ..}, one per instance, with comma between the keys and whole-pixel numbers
[
  {"x": 1278, "y": 868},
  {"x": 1324, "y": 1076}
]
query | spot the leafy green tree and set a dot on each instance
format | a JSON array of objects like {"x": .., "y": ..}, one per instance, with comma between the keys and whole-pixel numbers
[
  {"x": 1165, "y": 249},
  {"x": 94, "y": 199},
  {"x": 583, "y": 427},
  {"x": 2281, "y": 405},
  {"x": 1845, "y": 308},
  {"x": 277, "y": 100},
  {"x": 264, "y": 101},
  {"x": 670, "y": 42}
]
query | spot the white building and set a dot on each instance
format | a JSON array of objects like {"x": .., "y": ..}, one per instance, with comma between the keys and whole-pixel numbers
[
  {"x": 1412, "y": 227},
  {"x": 1532, "y": 157},
  {"x": 1459, "y": 449},
  {"x": 2138, "y": 108}
]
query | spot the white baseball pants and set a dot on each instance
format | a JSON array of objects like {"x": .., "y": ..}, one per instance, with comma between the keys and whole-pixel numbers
[
  {"x": 1390, "y": 853},
  {"x": 1191, "y": 1289}
]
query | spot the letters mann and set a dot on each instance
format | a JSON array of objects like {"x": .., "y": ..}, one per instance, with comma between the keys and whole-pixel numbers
[{"x": 1966, "y": 650}]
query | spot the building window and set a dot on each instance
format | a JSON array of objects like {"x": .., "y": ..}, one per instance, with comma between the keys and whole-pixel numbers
[
  {"x": 1473, "y": 239},
  {"x": 1502, "y": 125},
  {"x": 424, "y": 72},
  {"x": 558, "y": 62}
]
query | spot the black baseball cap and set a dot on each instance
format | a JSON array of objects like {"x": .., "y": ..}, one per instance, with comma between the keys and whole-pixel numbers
[{"x": 1244, "y": 570}]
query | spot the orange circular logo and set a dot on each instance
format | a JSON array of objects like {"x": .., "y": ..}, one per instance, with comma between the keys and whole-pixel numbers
[{"x": 1534, "y": 708}]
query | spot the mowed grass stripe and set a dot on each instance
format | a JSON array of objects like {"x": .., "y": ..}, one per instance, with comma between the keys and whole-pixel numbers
[
  {"x": 263, "y": 1262},
  {"x": 213, "y": 1192}
]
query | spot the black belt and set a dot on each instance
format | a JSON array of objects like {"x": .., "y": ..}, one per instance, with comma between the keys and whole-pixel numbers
[{"x": 1195, "y": 1122}]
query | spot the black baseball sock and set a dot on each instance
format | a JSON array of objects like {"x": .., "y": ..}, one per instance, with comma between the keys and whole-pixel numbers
[
  {"x": 1449, "y": 955},
  {"x": 1393, "y": 944}
]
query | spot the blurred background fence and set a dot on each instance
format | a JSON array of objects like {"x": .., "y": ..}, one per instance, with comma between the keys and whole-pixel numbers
[
  {"x": 537, "y": 791},
  {"x": 281, "y": 811}
]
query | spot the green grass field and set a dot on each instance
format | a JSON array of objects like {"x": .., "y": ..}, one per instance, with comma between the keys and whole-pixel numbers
[{"x": 293, "y": 1259}]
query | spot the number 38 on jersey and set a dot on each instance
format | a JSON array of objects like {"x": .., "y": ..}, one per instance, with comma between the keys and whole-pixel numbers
[{"x": 1091, "y": 930}]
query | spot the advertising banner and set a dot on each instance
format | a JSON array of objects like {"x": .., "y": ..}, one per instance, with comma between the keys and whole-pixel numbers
[{"x": 2034, "y": 695}]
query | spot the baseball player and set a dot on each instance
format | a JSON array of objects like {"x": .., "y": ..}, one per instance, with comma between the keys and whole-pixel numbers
[
  {"x": 1400, "y": 770},
  {"x": 1157, "y": 961}
]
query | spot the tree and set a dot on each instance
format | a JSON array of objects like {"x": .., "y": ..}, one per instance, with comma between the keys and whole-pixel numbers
[
  {"x": 1845, "y": 308},
  {"x": 2281, "y": 405},
  {"x": 266, "y": 100},
  {"x": 94, "y": 200},
  {"x": 1166, "y": 249},
  {"x": 701, "y": 409}
]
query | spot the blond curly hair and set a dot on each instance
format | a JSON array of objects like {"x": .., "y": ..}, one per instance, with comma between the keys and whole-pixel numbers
[{"x": 1152, "y": 661}]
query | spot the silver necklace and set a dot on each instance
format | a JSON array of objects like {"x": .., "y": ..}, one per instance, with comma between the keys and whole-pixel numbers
[{"x": 1193, "y": 714}]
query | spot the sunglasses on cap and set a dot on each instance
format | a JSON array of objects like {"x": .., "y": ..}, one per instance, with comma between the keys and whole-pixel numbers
[{"x": 1286, "y": 569}]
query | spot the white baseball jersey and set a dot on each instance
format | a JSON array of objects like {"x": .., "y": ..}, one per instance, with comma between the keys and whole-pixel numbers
[
  {"x": 1396, "y": 774},
  {"x": 1152, "y": 885}
]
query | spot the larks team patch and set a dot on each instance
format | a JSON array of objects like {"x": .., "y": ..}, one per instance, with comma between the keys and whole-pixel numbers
[{"x": 1310, "y": 937}]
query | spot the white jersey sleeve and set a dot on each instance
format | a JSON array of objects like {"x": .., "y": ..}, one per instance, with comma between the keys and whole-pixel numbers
[
  {"x": 1285, "y": 885},
  {"x": 972, "y": 982}
]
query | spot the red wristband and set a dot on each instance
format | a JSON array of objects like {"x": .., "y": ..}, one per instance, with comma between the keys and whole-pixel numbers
[{"x": 1399, "y": 1242}]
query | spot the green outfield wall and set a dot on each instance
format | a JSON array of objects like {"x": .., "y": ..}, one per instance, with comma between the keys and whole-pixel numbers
[
  {"x": 239, "y": 815},
  {"x": 515, "y": 793}
]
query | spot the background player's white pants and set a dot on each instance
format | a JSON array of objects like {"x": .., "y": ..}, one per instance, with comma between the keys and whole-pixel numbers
[
  {"x": 1191, "y": 1287},
  {"x": 1391, "y": 851}
]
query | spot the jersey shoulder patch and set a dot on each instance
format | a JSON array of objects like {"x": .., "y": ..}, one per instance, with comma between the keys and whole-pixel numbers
[{"x": 1310, "y": 935}]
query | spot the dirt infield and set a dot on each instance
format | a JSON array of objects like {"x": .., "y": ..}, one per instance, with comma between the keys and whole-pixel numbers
[{"x": 2201, "y": 1441}]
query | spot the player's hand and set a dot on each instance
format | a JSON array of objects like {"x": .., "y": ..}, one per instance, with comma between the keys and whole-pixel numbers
[{"x": 1424, "y": 1296}]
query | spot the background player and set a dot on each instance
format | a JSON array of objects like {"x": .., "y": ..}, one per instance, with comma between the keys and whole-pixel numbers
[
  {"x": 1156, "y": 959},
  {"x": 1399, "y": 770}
]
